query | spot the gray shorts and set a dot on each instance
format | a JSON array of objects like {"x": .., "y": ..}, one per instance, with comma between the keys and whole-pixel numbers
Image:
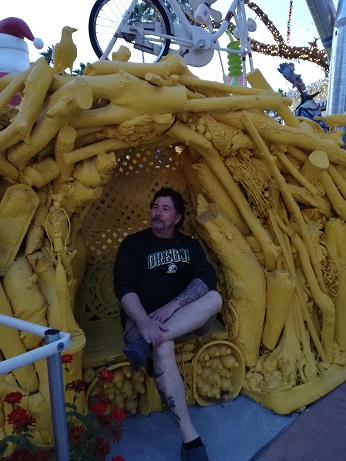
[{"x": 131, "y": 331}]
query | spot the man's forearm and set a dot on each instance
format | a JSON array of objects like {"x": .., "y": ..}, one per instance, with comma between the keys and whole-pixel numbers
[
  {"x": 133, "y": 308},
  {"x": 195, "y": 290}
]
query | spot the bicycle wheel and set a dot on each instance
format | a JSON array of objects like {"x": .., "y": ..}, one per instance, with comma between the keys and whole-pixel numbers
[{"x": 148, "y": 16}]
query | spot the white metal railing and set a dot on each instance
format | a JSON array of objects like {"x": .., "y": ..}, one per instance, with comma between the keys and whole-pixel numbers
[{"x": 55, "y": 342}]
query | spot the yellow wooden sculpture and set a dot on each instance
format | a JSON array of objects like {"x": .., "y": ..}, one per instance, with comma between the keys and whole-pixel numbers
[{"x": 268, "y": 202}]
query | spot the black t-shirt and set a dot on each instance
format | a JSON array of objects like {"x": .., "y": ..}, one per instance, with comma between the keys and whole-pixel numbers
[{"x": 158, "y": 269}]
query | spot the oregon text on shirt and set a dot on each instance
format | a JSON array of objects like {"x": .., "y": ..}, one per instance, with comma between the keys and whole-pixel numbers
[{"x": 160, "y": 258}]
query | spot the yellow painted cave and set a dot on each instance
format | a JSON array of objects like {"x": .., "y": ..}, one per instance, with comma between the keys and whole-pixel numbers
[{"x": 79, "y": 161}]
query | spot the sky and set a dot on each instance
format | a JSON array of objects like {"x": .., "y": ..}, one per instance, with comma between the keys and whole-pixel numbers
[{"x": 46, "y": 18}]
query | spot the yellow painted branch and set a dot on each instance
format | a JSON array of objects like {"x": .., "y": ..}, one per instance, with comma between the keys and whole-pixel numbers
[
  {"x": 315, "y": 165},
  {"x": 218, "y": 195},
  {"x": 337, "y": 200},
  {"x": 36, "y": 86},
  {"x": 338, "y": 179},
  {"x": 272, "y": 131},
  {"x": 7, "y": 170},
  {"x": 17, "y": 209},
  {"x": 57, "y": 116},
  {"x": 290, "y": 264},
  {"x": 213, "y": 160},
  {"x": 172, "y": 65},
  {"x": 125, "y": 103},
  {"x": 298, "y": 175},
  {"x": 322, "y": 300},
  {"x": 334, "y": 238},
  {"x": 15, "y": 86},
  {"x": 287, "y": 196},
  {"x": 257, "y": 80},
  {"x": 64, "y": 143},
  {"x": 199, "y": 85},
  {"x": 280, "y": 294},
  {"x": 262, "y": 101}
]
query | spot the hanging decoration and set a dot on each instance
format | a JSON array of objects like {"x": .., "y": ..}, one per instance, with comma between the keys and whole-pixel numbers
[
  {"x": 289, "y": 22},
  {"x": 280, "y": 48}
]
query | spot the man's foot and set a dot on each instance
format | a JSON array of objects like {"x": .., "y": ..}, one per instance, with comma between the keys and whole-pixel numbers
[
  {"x": 196, "y": 454},
  {"x": 137, "y": 353}
]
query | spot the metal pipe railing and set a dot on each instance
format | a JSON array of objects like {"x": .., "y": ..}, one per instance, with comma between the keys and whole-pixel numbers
[{"x": 55, "y": 342}]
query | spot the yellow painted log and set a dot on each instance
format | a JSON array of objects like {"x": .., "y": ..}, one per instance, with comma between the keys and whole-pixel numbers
[
  {"x": 245, "y": 276},
  {"x": 11, "y": 346},
  {"x": 64, "y": 109},
  {"x": 334, "y": 238},
  {"x": 173, "y": 64},
  {"x": 25, "y": 297},
  {"x": 17, "y": 209},
  {"x": 272, "y": 131},
  {"x": 65, "y": 141},
  {"x": 10, "y": 85},
  {"x": 257, "y": 80},
  {"x": 314, "y": 166},
  {"x": 218, "y": 195},
  {"x": 36, "y": 87},
  {"x": 336, "y": 199},
  {"x": 125, "y": 103},
  {"x": 280, "y": 295}
]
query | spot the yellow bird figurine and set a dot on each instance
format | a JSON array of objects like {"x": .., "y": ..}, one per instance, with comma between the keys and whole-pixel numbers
[{"x": 65, "y": 52}]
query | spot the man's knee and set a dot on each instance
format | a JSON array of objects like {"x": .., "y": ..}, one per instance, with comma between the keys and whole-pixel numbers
[
  {"x": 165, "y": 351},
  {"x": 215, "y": 301}
]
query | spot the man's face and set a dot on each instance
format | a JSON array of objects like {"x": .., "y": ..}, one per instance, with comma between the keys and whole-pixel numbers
[{"x": 163, "y": 216}]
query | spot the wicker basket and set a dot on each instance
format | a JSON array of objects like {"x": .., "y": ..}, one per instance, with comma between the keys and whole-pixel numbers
[{"x": 219, "y": 371}]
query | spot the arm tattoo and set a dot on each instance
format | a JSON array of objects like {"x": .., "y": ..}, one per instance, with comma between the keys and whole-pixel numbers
[{"x": 195, "y": 290}]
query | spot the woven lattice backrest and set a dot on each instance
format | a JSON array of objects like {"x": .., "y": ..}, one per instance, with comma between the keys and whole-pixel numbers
[{"x": 123, "y": 209}]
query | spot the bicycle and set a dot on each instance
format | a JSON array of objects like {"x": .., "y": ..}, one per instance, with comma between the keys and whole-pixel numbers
[{"x": 150, "y": 30}]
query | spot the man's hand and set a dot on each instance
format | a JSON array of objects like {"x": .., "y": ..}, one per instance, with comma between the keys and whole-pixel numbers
[
  {"x": 163, "y": 313},
  {"x": 151, "y": 330}
]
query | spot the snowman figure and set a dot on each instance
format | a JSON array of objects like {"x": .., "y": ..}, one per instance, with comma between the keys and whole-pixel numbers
[{"x": 14, "y": 51}]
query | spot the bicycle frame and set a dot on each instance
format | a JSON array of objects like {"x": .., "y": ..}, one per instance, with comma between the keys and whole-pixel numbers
[{"x": 197, "y": 44}]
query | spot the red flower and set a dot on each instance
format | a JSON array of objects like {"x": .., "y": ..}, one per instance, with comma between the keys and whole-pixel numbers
[
  {"x": 105, "y": 376},
  {"x": 118, "y": 458},
  {"x": 115, "y": 433},
  {"x": 20, "y": 420},
  {"x": 118, "y": 414},
  {"x": 100, "y": 447},
  {"x": 77, "y": 385},
  {"x": 13, "y": 397},
  {"x": 76, "y": 434},
  {"x": 99, "y": 408},
  {"x": 66, "y": 358}
]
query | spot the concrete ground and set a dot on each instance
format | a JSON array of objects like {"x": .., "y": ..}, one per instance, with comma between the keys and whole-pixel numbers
[{"x": 243, "y": 430}]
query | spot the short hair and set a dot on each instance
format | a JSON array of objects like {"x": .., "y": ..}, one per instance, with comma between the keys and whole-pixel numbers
[{"x": 177, "y": 198}]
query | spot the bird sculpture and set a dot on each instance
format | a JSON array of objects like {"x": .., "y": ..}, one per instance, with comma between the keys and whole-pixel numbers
[{"x": 65, "y": 52}]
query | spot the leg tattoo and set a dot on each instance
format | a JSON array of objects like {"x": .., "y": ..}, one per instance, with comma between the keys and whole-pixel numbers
[{"x": 168, "y": 400}]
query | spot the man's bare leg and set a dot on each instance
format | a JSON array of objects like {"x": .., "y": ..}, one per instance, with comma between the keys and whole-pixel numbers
[
  {"x": 171, "y": 389},
  {"x": 192, "y": 316}
]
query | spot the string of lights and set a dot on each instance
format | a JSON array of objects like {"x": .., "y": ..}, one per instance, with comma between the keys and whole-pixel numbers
[
  {"x": 281, "y": 49},
  {"x": 289, "y": 22},
  {"x": 320, "y": 85}
]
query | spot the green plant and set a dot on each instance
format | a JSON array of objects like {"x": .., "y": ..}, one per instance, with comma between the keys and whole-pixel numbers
[{"x": 90, "y": 435}]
